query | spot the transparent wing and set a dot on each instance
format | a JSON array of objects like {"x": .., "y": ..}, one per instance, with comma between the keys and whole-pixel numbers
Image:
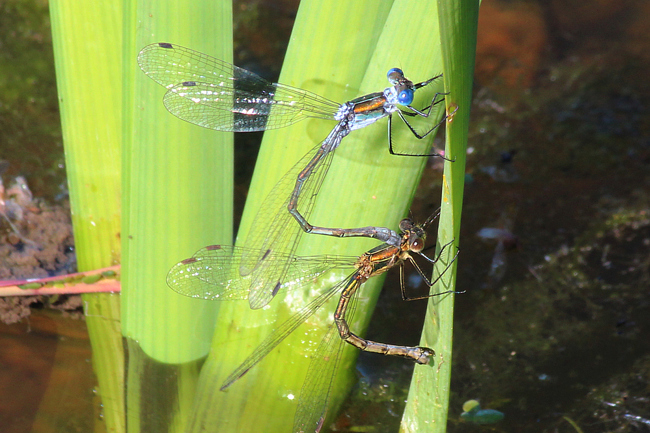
[
  {"x": 209, "y": 274},
  {"x": 281, "y": 333},
  {"x": 275, "y": 230},
  {"x": 215, "y": 94},
  {"x": 315, "y": 392}
]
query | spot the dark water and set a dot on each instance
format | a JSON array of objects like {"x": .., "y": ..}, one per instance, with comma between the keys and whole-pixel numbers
[
  {"x": 46, "y": 376},
  {"x": 552, "y": 329}
]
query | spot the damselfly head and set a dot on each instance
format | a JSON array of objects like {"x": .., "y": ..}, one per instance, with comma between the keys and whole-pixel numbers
[
  {"x": 402, "y": 87},
  {"x": 413, "y": 236}
]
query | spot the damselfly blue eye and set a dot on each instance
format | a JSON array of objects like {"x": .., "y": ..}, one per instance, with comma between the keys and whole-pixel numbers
[
  {"x": 395, "y": 71},
  {"x": 405, "y": 97}
]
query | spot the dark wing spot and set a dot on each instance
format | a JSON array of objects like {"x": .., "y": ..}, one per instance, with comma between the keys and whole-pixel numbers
[
  {"x": 189, "y": 83},
  {"x": 190, "y": 260},
  {"x": 213, "y": 247},
  {"x": 276, "y": 289},
  {"x": 165, "y": 45},
  {"x": 266, "y": 254}
]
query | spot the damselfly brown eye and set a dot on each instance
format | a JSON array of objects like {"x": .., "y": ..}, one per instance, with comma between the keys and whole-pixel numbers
[
  {"x": 417, "y": 245},
  {"x": 405, "y": 224}
]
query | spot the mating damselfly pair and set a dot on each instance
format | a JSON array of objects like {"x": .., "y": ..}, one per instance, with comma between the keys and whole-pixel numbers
[{"x": 218, "y": 95}]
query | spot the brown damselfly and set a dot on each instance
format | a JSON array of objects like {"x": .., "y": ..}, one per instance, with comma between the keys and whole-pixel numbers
[{"x": 206, "y": 275}]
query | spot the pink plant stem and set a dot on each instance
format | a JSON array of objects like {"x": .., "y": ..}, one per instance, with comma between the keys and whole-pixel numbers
[{"x": 107, "y": 284}]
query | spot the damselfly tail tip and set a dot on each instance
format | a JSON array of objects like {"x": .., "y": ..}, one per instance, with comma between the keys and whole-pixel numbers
[{"x": 426, "y": 355}]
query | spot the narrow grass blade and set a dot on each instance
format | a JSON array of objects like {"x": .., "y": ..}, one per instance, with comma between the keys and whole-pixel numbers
[
  {"x": 87, "y": 47},
  {"x": 428, "y": 399}
]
